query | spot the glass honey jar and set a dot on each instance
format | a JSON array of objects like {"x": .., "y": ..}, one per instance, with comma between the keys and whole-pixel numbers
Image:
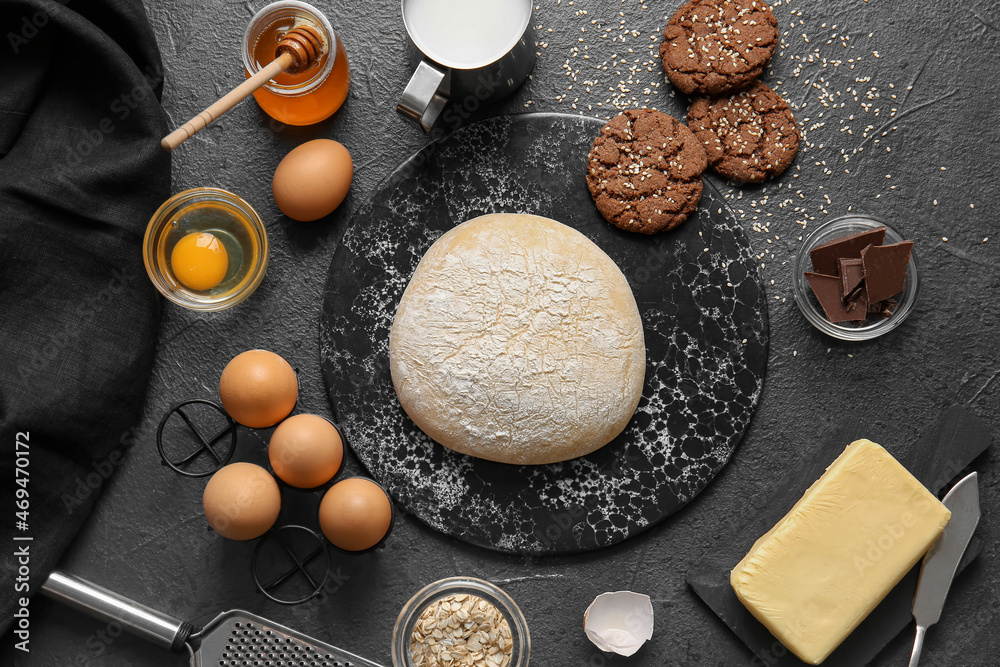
[{"x": 307, "y": 97}]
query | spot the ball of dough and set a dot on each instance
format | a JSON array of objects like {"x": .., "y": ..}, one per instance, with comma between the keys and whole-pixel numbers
[{"x": 518, "y": 340}]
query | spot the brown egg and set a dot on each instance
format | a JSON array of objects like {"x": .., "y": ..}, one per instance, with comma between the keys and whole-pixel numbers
[
  {"x": 305, "y": 451},
  {"x": 241, "y": 501},
  {"x": 258, "y": 388},
  {"x": 313, "y": 179},
  {"x": 355, "y": 514}
]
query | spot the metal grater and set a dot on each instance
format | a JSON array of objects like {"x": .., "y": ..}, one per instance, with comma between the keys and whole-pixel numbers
[
  {"x": 238, "y": 638},
  {"x": 230, "y": 639}
]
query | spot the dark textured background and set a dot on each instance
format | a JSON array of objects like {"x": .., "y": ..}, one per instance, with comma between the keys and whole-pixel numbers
[{"x": 148, "y": 538}]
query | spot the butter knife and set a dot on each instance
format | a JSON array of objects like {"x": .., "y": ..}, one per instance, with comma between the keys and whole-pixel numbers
[{"x": 942, "y": 560}]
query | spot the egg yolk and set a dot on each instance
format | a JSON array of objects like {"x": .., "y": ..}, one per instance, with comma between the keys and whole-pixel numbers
[{"x": 199, "y": 261}]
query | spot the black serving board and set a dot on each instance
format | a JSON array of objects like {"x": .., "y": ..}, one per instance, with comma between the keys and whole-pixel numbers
[
  {"x": 944, "y": 451},
  {"x": 704, "y": 314}
]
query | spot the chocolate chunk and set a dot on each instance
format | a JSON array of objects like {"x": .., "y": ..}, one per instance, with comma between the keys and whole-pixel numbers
[
  {"x": 888, "y": 308},
  {"x": 851, "y": 274},
  {"x": 885, "y": 269},
  {"x": 825, "y": 257},
  {"x": 883, "y": 308},
  {"x": 827, "y": 291},
  {"x": 853, "y": 295},
  {"x": 858, "y": 303}
]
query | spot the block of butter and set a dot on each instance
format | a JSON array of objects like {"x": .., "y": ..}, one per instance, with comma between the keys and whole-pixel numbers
[{"x": 822, "y": 568}]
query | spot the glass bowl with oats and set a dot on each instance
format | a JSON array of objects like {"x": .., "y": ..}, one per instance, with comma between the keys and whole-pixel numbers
[{"x": 461, "y": 622}]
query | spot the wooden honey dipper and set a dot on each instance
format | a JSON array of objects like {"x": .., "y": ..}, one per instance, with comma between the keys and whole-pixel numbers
[{"x": 299, "y": 48}]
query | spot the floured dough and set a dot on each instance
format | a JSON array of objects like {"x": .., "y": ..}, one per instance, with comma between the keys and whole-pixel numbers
[{"x": 518, "y": 340}]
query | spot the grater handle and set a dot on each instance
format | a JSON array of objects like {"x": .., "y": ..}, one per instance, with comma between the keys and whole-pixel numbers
[{"x": 101, "y": 603}]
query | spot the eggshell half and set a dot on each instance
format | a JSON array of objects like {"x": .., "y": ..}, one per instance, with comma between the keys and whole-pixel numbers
[{"x": 619, "y": 622}]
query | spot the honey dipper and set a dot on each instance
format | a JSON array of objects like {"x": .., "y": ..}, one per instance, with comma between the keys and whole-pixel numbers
[{"x": 299, "y": 48}]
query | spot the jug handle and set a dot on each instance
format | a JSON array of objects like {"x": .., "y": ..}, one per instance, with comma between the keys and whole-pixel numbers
[{"x": 423, "y": 100}]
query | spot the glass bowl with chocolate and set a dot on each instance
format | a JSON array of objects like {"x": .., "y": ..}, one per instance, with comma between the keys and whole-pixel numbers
[
  {"x": 855, "y": 278},
  {"x": 461, "y": 621}
]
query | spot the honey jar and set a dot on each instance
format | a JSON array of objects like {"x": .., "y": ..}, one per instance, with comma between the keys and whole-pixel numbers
[{"x": 307, "y": 97}]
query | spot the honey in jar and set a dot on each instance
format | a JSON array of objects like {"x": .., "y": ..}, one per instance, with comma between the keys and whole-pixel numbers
[{"x": 307, "y": 97}]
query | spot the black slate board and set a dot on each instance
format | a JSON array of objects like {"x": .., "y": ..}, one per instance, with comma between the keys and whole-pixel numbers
[
  {"x": 698, "y": 289},
  {"x": 951, "y": 445}
]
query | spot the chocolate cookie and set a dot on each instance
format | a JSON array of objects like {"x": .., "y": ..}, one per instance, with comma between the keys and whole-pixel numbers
[
  {"x": 713, "y": 46},
  {"x": 644, "y": 171},
  {"x": 749, "y": 135}
]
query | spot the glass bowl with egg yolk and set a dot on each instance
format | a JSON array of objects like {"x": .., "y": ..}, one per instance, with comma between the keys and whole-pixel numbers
[{"x": 206, "y": 249}]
